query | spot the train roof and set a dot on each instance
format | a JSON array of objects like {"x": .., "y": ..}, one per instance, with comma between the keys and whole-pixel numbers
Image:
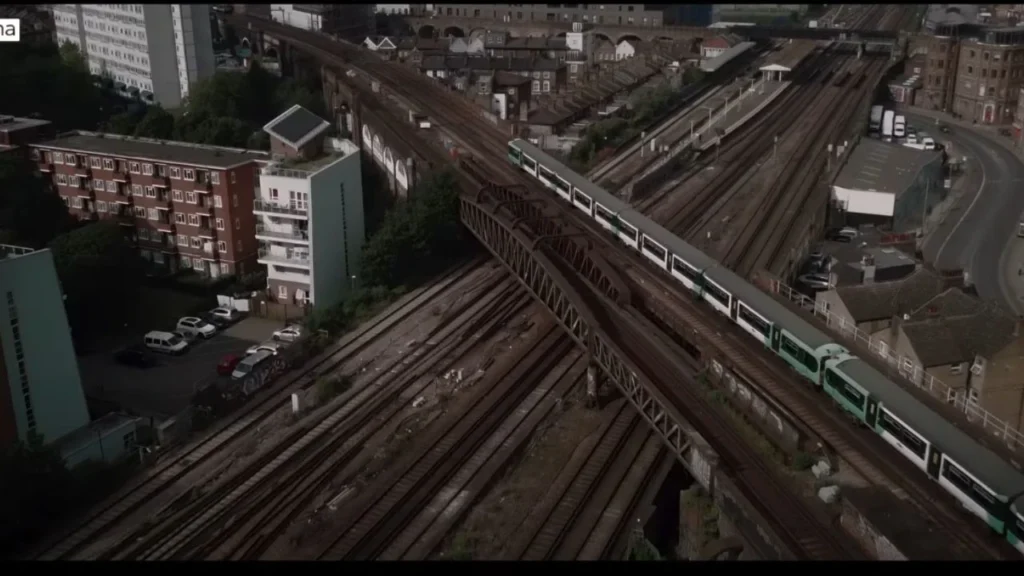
[
  {"x": 670, "y": 241},
  {"x": 995, "y": 472},
  {"x": 769, "y": 307}
]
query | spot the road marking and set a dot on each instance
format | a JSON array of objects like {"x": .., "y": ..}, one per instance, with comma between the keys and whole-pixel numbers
[{"x": 977, "y": 195}]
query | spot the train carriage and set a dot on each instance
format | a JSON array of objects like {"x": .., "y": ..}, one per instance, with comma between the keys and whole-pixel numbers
[
  {"x": 979, "y": 479},
  {"x": 796, "y": 341}
]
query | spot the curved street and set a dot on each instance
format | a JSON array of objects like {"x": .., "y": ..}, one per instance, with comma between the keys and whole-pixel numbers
[{"x": 979, "y": 231}]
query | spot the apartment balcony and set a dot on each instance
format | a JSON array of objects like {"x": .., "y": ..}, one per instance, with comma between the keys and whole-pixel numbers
[
  {"x": 298, "y": 260},
  {"x": 46, "y": 166},
  {"x": 203, "y": 186},
  {"x": 205, "y": 231},
  {"x": 292, "y": 235},
  {"x": 293, "y": 210},
  {"x": 83, "y": 171},
  {"x": 165, "y": 226},
  {"x": 161, "y": 181},
  {"x": 121, "y": 176},
  {"x": 123, "y": 219}
]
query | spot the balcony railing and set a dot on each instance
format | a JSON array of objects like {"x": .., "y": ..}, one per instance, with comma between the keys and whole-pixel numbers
[
  {"x": 206, "y": 232},
  {"x": 302, "y": 235},
  {"x": 293, "y": 258},
  {"x": 293, "y": 208}
]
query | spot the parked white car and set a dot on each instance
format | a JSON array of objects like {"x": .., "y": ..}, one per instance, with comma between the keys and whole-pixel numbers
[
  {"x": 269, "y": 346},
  {"x": 226, "y": 314},
  {"x": 196, "y": 326},
  {"x": 289, "y": 334}
]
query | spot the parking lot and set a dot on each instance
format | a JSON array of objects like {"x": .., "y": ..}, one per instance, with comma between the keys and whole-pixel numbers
[{"x": 167, "y": 388}]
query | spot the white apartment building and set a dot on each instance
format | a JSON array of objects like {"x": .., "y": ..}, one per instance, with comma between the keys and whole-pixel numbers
[
  {"x": 287, "y": 14},
  {"x": 309, "y": 212},
  {"x": 156, "y": 51}
]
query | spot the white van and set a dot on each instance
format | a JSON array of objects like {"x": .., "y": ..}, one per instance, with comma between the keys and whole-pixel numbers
[
  {"x": 249, "y": 363},
  {"x": 165, "y": 342},
  {"x": 899, "y": 126}
]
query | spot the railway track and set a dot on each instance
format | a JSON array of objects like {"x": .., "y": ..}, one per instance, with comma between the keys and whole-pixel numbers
[
  {"x": 265, "y": 495},
  {"x": 775, "y": 214},
  {"x": 801, "y": 534},
  {"x": 168, "y": 474},
  {"x": 370, "y": 523}
]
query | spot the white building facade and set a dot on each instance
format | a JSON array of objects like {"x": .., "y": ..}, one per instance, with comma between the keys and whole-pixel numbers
[
  {"x": 287, "y": 14},
  {"x": 310, "y": 226},
  {"x": 156, "y": 51}
]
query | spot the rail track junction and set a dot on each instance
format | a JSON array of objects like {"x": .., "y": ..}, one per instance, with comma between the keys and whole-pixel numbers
[{"x": 448, "y": 387}]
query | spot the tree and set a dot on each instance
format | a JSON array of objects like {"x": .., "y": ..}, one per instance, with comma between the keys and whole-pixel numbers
[
  {"x": 35, "y": 487},
  {"x": 95, "y": 263},
  {"x": 416, "y": 238},
  {"x": 156, "y": 123},
  {"x": 72, "y": 56},
  {"x": 39, "y": 82},
  {"x": 31, "y": 211}
]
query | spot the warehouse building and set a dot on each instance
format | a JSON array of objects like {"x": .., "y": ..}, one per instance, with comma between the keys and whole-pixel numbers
[{"x": 887, "y": 185}]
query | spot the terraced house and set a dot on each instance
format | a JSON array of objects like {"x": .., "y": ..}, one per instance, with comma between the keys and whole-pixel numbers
[{"x": 186, "y": 205}]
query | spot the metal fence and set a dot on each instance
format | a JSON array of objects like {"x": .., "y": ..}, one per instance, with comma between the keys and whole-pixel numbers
[{"x": 905, "y": 367}]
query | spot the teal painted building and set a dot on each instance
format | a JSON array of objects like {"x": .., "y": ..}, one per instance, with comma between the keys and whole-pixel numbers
[{"x": 40, "y": 388}]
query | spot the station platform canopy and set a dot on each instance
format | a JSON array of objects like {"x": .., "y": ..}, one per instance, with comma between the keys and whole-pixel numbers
[{"x": 775, "y": 68}]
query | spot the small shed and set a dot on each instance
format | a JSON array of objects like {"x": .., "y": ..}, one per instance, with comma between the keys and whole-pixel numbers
[
  {"x": 774, "y": 72},
  {"x": 110, "y": 439}
]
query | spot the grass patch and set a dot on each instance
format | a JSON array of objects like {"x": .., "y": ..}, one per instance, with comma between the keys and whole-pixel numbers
[{"x": 328, "y": 387}]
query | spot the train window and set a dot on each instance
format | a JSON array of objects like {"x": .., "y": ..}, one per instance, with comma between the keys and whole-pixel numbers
[
  {"x": 1018, "y": 525},
  {"x": 716, "y": 293},
  {"x": 529, "y": 163},
  {"x": 603, "y": 213},
  {"x": 580, "y": 197},
  {"x": 754, "y": 320},
  {"x": 909, "y": 439},
  {"x": 684, "y": 268},
  {"x": 545, "y": 173},
  {"x": 562, "y": 185},
  {"x": 651, "y": 248},
  {"x": 799, "y": 354},
  {"x": 628, "y": 229},
  {"x": 513, "y": 152},
  {"x": 957, "y": 477},
  {"x": 839, "y": 384}
]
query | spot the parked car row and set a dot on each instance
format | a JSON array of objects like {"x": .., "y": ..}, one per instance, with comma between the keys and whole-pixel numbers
[
  {"x": 238, "y": 367},
  {"x": 188, "y": 329}
]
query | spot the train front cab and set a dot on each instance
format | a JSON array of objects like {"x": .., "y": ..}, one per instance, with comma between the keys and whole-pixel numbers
[
  {"x": 514, "y": 154},
  {"x": 1015, "y": 525},
  {"x": 848, "y": 393},
  {"x": 973, "y": 494}
]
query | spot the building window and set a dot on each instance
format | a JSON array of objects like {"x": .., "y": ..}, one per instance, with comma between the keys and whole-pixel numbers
[
  {"x": 101, "y": 206},
  {"x": 220, "y": 223},
  {"x": 232, "y": 178},
  {"x": 218, "y": 202},
  {"x": 58, "y": 157},
  {"x": 536, "y": 86},
  {"x": 108, "y": 164},
  {"x": 134, "y": 167},
  {"x": 182, "y": 240},
  {"x": 238, "y": 224},
  {"x": 234, "y": 200},
  {"x": 137, "y": 189},
  {"x": 190, "y": 197},
  {"x": 143, "y": 233},
  {"x": 238, "y": 245},
  {"x": 150, "y": 192},
  {"x": 177, "y": 195},
  {"x": 197, "y": 242},
  {"x": 215, "y": 177},
  {"x": 547, "y": 86},
  {"x": 175, "y": 172},
  {"x": 62, "y": 179},
  {"x": 193, "y": 220},
  {"x": 161, "y": 170},
  {"x": 282, "y": 292},
  {"x": 273, "y": 193},
  {"x": 98, "y": 185},
  {"x": 154, "y": 214},
  {"x": 76, "y": 202},
  {"x": 186, "y": 262},
  {"x": 189, "y": 174},
  {"x": 140, "y": 212},
  {"x": 96, "y": 162},
  {"x": 147, "y": 169},
  {"x": 180, "y": 218},
  {"x": 222, "y": 246}
]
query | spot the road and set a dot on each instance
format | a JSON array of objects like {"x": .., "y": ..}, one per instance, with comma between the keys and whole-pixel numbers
[{"x": 976, "y": 233}]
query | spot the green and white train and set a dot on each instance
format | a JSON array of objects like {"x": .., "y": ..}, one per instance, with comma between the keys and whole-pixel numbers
[{"x": 979, "y": 479}]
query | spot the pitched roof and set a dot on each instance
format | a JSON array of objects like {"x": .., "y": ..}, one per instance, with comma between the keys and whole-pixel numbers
[
  {"x": 158, "y": 151},
  {"x": 880, "y": 301},
  {"x": 461, "y": 62},
  {"x": 954, "y": 327},
  {"x": 296, "y": 126},
  {"x": 717, "y": 42}
]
